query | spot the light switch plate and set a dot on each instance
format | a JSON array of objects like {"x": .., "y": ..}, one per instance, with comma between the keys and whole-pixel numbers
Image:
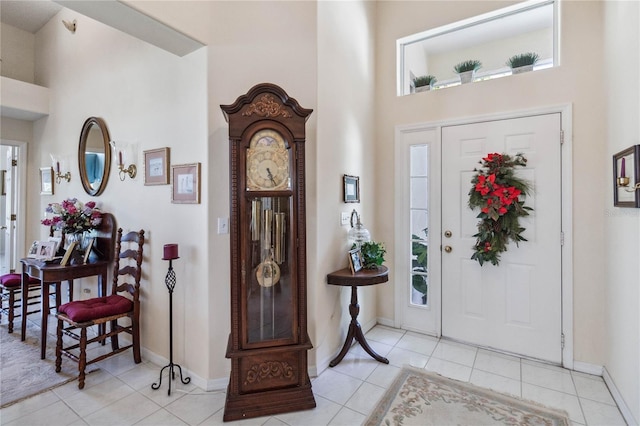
[
  {"x": 344, "y": 218},
  {"x": 223, "y": 225}
]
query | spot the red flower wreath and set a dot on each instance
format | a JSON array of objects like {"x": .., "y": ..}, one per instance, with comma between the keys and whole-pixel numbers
[{"x": 497, "y": 191}]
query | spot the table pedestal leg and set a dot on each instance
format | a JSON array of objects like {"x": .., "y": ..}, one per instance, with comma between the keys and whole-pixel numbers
[{"x": 355, "y": 332}]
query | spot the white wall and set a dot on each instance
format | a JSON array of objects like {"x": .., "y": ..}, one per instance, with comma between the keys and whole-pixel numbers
[
  {"x": 17, "y": 47},
  {"x": 622, "y": 225},
  {"x": 153, "y": 99},
  {"x": 346, "y": 145},
  {"x": 569, "y": 83}
]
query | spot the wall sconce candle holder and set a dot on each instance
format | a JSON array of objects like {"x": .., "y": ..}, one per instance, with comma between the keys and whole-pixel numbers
[
  {"x": 626, "y": 170},
  {"x": 59, "y": 163},
  {"x": 124, "y": 153}
]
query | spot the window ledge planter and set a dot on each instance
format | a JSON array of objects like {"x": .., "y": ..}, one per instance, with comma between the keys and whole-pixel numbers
[{"x": 520, "y": 70}]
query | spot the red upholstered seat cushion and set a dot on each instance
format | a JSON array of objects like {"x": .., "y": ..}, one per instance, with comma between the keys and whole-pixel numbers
[
  {"x": 14, "y": 280},
  {"x": 98, "y": 307}
]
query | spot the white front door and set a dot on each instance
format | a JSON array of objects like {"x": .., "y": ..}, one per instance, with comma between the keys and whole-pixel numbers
[{"x": 516, "y": 306}]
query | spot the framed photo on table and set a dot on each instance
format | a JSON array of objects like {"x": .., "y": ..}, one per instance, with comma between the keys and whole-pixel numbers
[
  {"x": 156, "y": 166},
  {"x": 46, "y": 181},
  {"x": 355, "y": 260},
  {"x": 351, "y": 189},
  {"x": 186, "y": 184},
  {"x": 42, "y": 250},
  {"x": 626, "y": 175}
]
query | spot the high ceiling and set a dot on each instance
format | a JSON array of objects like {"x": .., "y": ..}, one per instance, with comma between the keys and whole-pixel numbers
[{"x": 28, "y": 15}]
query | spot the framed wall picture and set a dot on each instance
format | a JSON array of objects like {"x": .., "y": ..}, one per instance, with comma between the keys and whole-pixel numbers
[
  {"x": 626, "y": 174},
  {"x": 355, "y": 260},
  {"x": 46, "y": 180},
  {"x": 186, "y": 184},
  {"x": 351, "y": 191},
  {"x": 156, "y": 166}
]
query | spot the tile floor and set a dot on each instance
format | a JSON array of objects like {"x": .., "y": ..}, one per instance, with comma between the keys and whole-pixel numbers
[{"x": 120, "y": 394}]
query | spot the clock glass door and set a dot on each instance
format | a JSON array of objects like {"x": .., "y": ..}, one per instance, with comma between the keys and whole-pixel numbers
[{"x": 269, "y": 296}]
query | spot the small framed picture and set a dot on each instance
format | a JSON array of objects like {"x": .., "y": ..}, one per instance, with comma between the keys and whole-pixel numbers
[
  {"x": 46, "y": 180},
  {"x": 45, "y": 250},
  {"x": 57, "y": 240},
  {"x": 33, "y": 250},
  {"x": 156, "y": 166},
  {"x": 626, "y": 174},
  {"x": 87, "y": 250},
  {"x": 351, "y": 190},
  {"x": 186, "y": 184},
  {"x": 355, "y": 260}
]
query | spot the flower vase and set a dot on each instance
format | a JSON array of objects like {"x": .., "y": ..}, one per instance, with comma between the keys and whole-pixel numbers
[{"x": 78, "y": 238}]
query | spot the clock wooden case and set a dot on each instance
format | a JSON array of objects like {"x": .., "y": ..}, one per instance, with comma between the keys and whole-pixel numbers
[{"x": 268, "y": 343}]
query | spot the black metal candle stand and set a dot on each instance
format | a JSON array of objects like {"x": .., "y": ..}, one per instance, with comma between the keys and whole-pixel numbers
[{"x": 170, "y": 282}]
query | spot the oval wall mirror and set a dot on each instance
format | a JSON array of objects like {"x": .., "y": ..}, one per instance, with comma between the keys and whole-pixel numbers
[{"x": 94, "y": 156}]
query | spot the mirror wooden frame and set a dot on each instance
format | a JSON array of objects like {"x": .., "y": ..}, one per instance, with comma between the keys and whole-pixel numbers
[{"x": 82, "y": 147}]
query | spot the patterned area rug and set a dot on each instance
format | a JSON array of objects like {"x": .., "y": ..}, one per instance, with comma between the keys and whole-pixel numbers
[
  {"x": 418, "y": 397},
  {"x": 23, "y": 373}
]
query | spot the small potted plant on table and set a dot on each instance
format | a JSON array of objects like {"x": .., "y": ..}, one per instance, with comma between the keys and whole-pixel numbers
[
  {"x": 467, "y": 69},
  {"x": 522, "y": 62}
]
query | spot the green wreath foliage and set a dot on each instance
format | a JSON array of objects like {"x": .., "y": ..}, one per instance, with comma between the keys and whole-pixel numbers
[{"x": 497, "y": 192}]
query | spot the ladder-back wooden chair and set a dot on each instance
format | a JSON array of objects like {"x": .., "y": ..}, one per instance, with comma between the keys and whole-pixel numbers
[
  {"x": 83, "y": 314},
  {"x": 11, "y": 291}
]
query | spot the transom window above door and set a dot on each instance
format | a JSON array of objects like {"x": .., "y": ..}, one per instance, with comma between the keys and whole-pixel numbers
[{"x": 501, "y": 41}]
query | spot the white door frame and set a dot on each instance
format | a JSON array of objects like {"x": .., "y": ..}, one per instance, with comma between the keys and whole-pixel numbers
[
  {"x": 566, "y": 211},
  {"x": 21, "y": 202}
]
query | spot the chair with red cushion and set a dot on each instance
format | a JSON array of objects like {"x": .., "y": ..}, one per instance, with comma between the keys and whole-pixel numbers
[
  {"x": 10, "y": 285},
  {"x": 77, "y": 316}
]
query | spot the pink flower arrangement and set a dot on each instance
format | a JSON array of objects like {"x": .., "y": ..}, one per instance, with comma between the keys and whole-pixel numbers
[{"x": 73, "y": 216}]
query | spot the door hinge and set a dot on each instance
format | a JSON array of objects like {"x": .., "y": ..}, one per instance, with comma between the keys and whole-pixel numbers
[
  {"x": 14, "y": 162},
  {"x": 561, "y": 238},
  {"x": 561, "y": 137},
  {"x": 562, "y": 340},
  {"x": 13, "y": 217}
]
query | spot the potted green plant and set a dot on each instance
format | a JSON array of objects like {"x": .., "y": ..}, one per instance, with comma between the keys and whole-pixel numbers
[
  {"x": 424, "y": 82},
  {"x": 467, "y": 69},
  {"x": 419, "y": 263},
  {"x": 372, "y": 254},
  {"x": 522, "y": 62}
]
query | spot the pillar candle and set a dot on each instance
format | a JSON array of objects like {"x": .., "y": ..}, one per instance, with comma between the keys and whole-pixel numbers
[
  {"x": 170, "y": 252},
  {"x": 622, "y": 169}
]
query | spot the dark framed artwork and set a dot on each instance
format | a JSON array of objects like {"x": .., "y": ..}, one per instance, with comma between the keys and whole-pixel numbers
[
  {"x": 186, "y": 184},
  {"x": 626, "y": 177},
  {"x": 156, "y": 166},
  {"x": 351, "y": 190}
]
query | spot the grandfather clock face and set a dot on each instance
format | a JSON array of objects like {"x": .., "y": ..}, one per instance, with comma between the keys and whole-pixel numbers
[
  {"x": 269, "y": 288},
  {"x": 267, "y": 162}
]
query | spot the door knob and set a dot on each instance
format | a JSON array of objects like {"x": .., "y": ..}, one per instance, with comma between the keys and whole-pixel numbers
[
  {"x": 448, "y": 233},
  {"x": 3, "y": 228},
  {"x": 448, "y": 249}
]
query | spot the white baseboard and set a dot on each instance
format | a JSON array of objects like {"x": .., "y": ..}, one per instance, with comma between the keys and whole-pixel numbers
[
  {"x": 202, "y": 383},
  {"x": 617, "y": 397},
  {"x": 386, "y": 322},
  {"x": 585, "y": 367}
]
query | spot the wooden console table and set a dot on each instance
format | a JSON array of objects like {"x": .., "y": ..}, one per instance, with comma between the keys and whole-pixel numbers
[
  {"x": 54, "y": 274},
  {"x": 364, "y": 277}
]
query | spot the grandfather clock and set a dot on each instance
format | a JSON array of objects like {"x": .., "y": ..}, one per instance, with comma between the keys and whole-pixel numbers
[{"x": 268, "y": 343}]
